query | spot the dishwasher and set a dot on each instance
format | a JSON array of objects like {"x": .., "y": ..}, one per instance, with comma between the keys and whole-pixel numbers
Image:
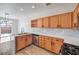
[{"x": 35, "y": 39}]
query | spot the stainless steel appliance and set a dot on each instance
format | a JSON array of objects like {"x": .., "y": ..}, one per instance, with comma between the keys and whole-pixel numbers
[{"x": 35, "y": 39}]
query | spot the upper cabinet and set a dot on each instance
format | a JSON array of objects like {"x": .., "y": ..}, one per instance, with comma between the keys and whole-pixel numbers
[
  {"x": 45, "y": 22},
  {"x": 65, "y": 20},
  {"x": 76, "y": 18},
  {"x": 54, "y": 22},
  {"x": 39, "y": 23},
  {"x": 34, "y": 23},
  {"x": 57, "y": 21}
]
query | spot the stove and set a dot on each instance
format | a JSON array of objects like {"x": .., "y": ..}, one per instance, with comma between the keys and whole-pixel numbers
[{"x": 69, "y": 49}]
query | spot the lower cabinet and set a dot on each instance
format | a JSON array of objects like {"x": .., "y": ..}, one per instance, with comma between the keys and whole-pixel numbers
[
  {"x": 29, "y": 40},
  {"x": 48, "y": 43},
  {"x": 42, "y": 41},
  {"x": 51, "y": 43},
  {"x": 57, "y": 44},
  {"x": 22, "y": 41}
]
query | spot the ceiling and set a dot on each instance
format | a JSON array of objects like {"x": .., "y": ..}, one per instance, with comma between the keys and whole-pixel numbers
[{"x": 13, "y": 9}]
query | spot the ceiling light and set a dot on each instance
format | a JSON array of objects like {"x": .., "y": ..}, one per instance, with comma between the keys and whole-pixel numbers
[
  {"x": 33, "y": 6},
  {"x": 21, "y": 9}
]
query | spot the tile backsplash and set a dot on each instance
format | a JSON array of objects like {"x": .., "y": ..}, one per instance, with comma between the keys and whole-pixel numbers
[
  {"x": 69, "y": 35},
  {"x": 70, "y": 32}
]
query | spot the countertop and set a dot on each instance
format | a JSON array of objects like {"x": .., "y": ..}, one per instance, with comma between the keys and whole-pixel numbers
[
  {"x": 23, "y": 34},
  {"x": 67, "y": 38}
]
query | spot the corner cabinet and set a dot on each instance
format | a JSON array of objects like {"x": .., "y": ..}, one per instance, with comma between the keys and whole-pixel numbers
[
  {"x": 22, "y": 41},
  {"x": 29, "y": 39}
]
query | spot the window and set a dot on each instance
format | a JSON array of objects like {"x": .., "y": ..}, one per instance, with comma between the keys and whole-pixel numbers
[
  {"x": 5, "y": 26},
  {"x": 5, "y": 30}
]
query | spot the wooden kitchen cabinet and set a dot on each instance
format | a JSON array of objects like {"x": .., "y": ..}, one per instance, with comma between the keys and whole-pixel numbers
[
  {"x": 29, "y": 40},
  {"x": 58, "y": 21},
  {"x": 45, "y": 23},
  {"x": 34, "y": 23},
  {"x": 42, "y": 41},
  {"x": 57, "y": 44},
  {"x": 65, "y": 20},
  {"x": 20, "y": 42},
  {"x": 54, "y": 21},
  {"x": 39, "y": 23},
  {"x": 76, "y": 18},
  {"x": 51, "y": 43},
  {"x": 48, "y": 43}
]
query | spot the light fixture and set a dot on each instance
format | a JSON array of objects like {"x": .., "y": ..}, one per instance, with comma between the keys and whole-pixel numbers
[
  {"x": 21, "y": 9},
  {"x": 33, "y": 6}
]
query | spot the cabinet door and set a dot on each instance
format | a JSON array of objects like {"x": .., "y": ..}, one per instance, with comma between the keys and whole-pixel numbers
[
  {"x": 20, "y": 42},
  {"x": 39, "y": 23},
  {"x": 40, "y": 40},
  {"x": 48, "y": 43},
  {"x": 46, "y": 22},
  {"x": 43, "y": 42},
  {"x": 29, "y": 40},
  {"x": 53, "y": 21},
  {"x": 34, "y": 23},
  {"x": 56, "y": 45},
  {"x": 65, "y": 20},
  {"x": 75, "y": 17}
]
